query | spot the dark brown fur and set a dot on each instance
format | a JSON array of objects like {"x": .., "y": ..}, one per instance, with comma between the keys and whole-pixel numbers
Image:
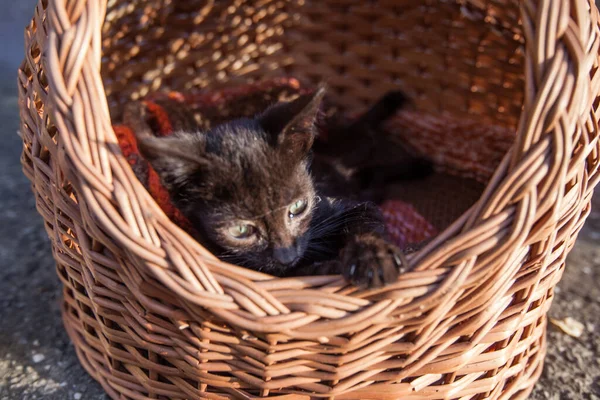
[{"x": 250, "y": 171}]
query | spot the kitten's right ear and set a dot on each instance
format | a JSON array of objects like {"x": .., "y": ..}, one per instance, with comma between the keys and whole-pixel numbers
[
  {"x": 291, "y": 125},
  {"x": 174, "y": 158}
]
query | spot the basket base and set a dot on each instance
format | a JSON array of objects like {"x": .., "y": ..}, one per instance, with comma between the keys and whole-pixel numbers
[{"x": 98, "y": 355}]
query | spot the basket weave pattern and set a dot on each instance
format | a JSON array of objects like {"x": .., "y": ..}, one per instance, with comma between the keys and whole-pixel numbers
[{"x": 154, "y": 315}]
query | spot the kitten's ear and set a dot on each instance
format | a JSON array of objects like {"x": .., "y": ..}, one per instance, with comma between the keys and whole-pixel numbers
[
  {"x": 174, "y": 158},
  {"x": 292, "y": 125}
]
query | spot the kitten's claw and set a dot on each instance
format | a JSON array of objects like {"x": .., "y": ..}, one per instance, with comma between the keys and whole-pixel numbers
[
  {"x": 369, "y": 260},
  {"x": 352, "y": 269},
  {"x": 400, "y": 260}
]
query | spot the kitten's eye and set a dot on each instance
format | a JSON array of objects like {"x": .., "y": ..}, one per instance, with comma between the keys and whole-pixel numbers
[
  {"x": 297, "y": 208},
  {"x": 241, "y": 231}
]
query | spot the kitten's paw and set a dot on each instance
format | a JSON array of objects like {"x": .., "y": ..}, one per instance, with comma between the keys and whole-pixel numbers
[{"x": 369, "y": 260}]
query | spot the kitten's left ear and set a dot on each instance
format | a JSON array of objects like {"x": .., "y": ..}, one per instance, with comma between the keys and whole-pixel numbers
[
  {"x": 292, "y": 125},
  {"x": 174, "y": 158}
]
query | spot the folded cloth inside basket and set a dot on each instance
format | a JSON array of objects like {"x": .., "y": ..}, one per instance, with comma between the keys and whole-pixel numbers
[{"x": 163, "y": 115}]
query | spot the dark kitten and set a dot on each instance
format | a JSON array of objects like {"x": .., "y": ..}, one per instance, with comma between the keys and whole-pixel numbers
[{"x": 246, "y": 186}]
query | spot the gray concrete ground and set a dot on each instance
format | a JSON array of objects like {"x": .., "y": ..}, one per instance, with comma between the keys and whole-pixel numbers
[{"x": 37, "y": 360}]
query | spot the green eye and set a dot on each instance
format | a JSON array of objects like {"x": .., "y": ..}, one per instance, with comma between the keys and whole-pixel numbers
[
  {"x": 241, "y": 231},
  {"x": 297, "y": 208}
]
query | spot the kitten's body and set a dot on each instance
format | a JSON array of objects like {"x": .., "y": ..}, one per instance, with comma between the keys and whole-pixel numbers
[{"x": 253, "y": 172}]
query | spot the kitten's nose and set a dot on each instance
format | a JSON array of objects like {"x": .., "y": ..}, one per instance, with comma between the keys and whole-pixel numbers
[{"x": 285, "y": 255}]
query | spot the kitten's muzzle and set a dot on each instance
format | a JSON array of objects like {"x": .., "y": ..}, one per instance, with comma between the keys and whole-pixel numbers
[{"x": 286, "y": 255}]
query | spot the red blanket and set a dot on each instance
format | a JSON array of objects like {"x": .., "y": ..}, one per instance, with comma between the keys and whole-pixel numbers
[{"x": 405, "y": 225}]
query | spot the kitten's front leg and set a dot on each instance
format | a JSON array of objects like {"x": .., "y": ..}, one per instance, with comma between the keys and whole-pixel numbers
[{"x": 368, "y": 259}]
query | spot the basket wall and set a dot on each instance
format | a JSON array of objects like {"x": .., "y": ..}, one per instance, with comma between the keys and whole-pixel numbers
[
  {"x": 154, "y": 315},
  {"x": 448, "y": 56}
]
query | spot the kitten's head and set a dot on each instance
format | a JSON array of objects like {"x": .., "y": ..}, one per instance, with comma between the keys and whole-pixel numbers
[{"x": 245, "y": 185}]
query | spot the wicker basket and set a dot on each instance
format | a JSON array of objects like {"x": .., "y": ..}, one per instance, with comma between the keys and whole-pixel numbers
[{"x": 153, "y": 315}]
